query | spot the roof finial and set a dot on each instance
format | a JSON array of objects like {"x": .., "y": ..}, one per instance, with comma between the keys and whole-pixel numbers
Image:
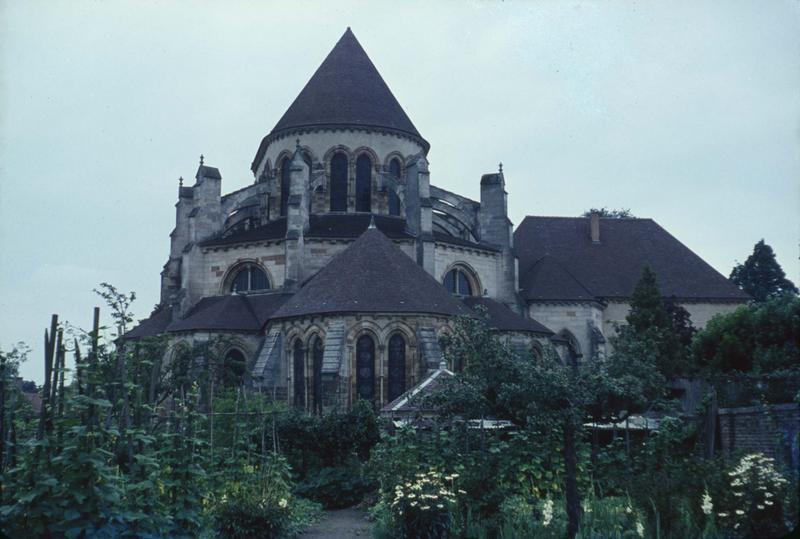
[
  {"x": 180, "y": 181},
  {"x": 297, "y": 144},
  {"x": 201, "y": 159},
  {"x": 500, "y": 166},
  {"x": 372, "y": 221}
]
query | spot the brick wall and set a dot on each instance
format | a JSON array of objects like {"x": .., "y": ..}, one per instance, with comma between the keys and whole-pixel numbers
[{"x": 772, "y": 430}]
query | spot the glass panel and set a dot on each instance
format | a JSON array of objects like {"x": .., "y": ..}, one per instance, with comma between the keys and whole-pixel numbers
[
  {"x": 318, "y": 353},
  {"x": 464, "y": 287},
  {"x": 241, "y": 282},
  {"x": 339, "y": 182},
  {"x": 397, "y": 367},
  {"x": 363, "y": 183},
  {"x": 299, "y": 376},
  {"x": 365, "y": 368},
  {"x": 258, "y": 279},
  {"x": 394, "y": 168},
  {"x": 285, "y": 185},
  {"x": 450, "y": 281}
]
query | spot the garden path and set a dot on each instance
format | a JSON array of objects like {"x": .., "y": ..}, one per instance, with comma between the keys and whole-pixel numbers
[{"x": 340, "y": 524}]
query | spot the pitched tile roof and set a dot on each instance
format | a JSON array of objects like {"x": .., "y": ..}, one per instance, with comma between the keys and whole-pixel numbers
[
  {"x": 153, "y": 325},
  {"x": 346, "y": 90},
  {"x": 372, "y": 275},
  {"x": 502, "y": 318},
  {"x": 230, "y": 313},
  {"x": 331, "y": 225},
  {"x": 559, "y": 261}
]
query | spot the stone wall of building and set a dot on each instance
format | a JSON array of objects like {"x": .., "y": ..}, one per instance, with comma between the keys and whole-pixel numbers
[
  {"x": 573, "y": 317},
  {"x": 773, "y": 430},
  {"x": 319, "y": 143},
  {"x": 380, "y": 327},
  {"x": 485, "y": 265}
]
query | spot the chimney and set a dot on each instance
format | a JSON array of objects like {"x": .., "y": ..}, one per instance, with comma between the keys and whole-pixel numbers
[{"x": 595, "y": 226}]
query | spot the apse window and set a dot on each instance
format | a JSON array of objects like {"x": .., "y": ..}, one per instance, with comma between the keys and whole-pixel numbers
[
  {"x": 458, "y": 282},
  {"x": 250, "y": 279}
]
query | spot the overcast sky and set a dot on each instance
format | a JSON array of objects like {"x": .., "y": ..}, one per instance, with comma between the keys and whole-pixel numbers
[{"x": 686, "y": 112}]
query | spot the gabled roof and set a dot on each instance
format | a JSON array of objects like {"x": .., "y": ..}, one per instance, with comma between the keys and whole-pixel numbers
[
  {"x": 372, "y": 275},
  {"x": 559, "y": 261},
  {"x": 502, "y": 318},
  {"x": 230, "y": 313},
  {"x": 413, "y": 400},
  {"x": 331, "y": 225},
  {"x": 345, "y": 91}
]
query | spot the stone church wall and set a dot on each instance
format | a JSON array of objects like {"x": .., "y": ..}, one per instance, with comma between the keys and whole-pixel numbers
[
  {"x": 573, "y": 317},
  {"x": 320, "y": 142},
  {"x": 211, "y": 266},
  {"x": 486, "y": 265}
]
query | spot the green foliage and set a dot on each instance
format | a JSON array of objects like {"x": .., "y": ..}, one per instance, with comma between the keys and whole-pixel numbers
[
  {"x": 127, "y": 448},
  {"x": 259, "y": 503},
  {"x": 752, "y": 502},
  {"x": 761, "y": 276},
  {"x": 327, "y": 452},
  {"x": 622, "y": 213},
  {"x": 761, "y": 338}
]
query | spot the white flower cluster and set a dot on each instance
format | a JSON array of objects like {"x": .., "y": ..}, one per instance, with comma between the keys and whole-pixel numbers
[
  {"x": 754, "y": 482},
  {"x": 426, "y": 491},
  {"x": 706, "y": 505},
  {"x": 547, "y": 512}
]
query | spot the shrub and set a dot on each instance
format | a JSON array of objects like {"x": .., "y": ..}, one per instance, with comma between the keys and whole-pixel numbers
[
  {"x": 258, "y": 503},
  {"x": 752, "y": 505},
  {"x": 336, "y": 487},
  {"x": 422, "y": 506}
]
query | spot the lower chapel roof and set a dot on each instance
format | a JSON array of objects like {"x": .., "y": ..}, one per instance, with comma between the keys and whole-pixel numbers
[{"x": 558, "y": 261}]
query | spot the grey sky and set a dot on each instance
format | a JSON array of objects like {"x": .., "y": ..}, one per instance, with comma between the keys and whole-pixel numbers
[{"x": 686, "y": 112}]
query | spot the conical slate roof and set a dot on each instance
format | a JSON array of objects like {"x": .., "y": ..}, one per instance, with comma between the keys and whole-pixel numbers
[
  {"x": 345, "y": 91},
  {"x": 372, "y": 276}
]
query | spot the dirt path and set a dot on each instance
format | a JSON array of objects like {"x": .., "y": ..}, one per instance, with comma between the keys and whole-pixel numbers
[{"x": 341, "y": 524}]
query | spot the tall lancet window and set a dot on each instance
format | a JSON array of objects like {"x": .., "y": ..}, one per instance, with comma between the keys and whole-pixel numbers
[
  {"x": 286, "y": 184},
  {"x": 339, "y": 182},
  {"x": 365, "y": 368},
  {"x": 363, "y": 183},
  {"x": 299, "y": 372},
  {"x": 394, "y": 199},
  {"x": 397, "y": 366}
]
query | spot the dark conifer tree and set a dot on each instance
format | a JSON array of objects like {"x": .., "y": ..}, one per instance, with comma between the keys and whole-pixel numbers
[{"x": 761, "y": 276}]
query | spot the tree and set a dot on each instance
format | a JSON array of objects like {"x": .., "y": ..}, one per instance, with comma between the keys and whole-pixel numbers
[
  {"x": 650, "y": 321},
  {"x": 760, "y": 337},
  {"x": 622, "y": 213},
  {"x": 761, "y": 276}
]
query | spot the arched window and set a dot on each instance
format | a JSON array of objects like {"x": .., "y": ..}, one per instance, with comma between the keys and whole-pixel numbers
[
  {"x": 394, "y": 199},
  {"x": 397, "y": 366},
  {"x": 339, "y": 182},
  {"x": 365, "y": 368},
  {"x": 316, "y": 357},
  {"x": 363, "y": 183},
  {"x": 573, "y": 347},
  {"x": 457, "y": 282},
  {"x": 286, "y": 184},
  {"x": 537, "y": 351},
  {"x": 394, "y": 168},
  {"x": 299, "y": 375},
  {"x": 250, "y": 278}
]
